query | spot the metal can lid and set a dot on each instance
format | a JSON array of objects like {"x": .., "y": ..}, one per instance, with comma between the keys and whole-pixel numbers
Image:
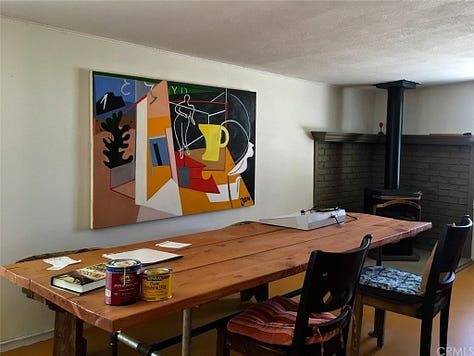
[
  {"x": 121, "y": 265},
  {"x": 157, "y": 271}
]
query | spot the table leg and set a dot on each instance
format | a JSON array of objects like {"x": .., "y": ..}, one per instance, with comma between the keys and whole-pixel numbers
[
  {"x": 356, "y": 325},
  {"x": 68, "y": 339},
  {"x": 113, "y": 343},
  {"x": 187, "y": 329}
]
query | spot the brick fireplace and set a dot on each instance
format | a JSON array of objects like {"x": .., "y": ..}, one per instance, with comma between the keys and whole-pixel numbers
[{"x": 441, "y": 166}]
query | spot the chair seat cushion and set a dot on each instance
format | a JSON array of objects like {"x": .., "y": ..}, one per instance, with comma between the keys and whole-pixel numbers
[
  {"x": 391, "y": 279},
  {"x": 273, "y": 322}
]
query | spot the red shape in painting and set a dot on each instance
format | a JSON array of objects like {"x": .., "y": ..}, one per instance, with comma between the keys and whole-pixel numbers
[{"x": 190, "y": 175}]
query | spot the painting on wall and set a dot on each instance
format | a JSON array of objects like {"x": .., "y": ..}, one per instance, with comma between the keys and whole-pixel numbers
[{"x": 164, "y": 149}]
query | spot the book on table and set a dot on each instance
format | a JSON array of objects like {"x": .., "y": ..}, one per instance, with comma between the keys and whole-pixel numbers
[{"x": 81, "y": 280}]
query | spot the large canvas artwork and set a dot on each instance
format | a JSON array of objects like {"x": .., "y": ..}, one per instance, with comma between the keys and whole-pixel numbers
[{"x": 163, "y": 149}]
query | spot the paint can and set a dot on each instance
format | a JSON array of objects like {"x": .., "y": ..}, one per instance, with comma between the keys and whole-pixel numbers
[
  {"x": 156, "y": 284},
  {"x": 122, "y": 282}
]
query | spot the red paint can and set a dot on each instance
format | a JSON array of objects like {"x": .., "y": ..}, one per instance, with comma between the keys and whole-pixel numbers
[{"x": 122, "y": 282}]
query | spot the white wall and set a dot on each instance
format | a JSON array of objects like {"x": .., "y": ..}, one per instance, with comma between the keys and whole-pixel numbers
[
  {"x": 45, "y": 148},
  {"x": 357, "y": 110},
  {"x": 437, "y": 109},
  {"x": 444, "y": 109}
]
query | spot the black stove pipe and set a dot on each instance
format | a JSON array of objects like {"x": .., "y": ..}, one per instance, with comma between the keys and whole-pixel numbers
[{"x": 394, "y": 128}]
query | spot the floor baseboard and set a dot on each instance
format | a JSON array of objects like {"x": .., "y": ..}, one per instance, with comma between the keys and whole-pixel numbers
[{"x": 25, "y": 340}]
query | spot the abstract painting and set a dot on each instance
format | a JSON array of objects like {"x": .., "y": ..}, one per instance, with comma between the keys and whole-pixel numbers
[{"x": 164, "y": 149}]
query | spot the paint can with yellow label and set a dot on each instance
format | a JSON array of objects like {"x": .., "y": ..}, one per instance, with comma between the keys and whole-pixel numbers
[{"x": 156, "y": 284}]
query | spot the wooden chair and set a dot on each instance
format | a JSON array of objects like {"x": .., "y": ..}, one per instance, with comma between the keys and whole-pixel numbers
[
  {"x": 421, "y": 297},
  {"x": 282, "y": 326}
]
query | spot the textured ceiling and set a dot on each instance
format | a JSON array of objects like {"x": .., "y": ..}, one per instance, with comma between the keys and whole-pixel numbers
[{"x": 336, "y": 42}]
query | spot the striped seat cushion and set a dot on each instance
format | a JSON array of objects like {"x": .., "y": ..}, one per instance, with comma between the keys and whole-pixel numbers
[
  {"x": 273, "y": 322},
  {"x": 391, "y": 279}
]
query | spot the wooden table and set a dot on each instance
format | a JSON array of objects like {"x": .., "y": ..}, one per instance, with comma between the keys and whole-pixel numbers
[{"x": 217, "y": 264}]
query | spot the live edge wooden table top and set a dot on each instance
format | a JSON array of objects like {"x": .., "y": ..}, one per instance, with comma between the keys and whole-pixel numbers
[{"x": 218, "y": 263}]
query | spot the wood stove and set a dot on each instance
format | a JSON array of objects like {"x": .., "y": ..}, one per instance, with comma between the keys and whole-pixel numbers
[
  {"x": 397, "y": 204},
  {"x": 391, "y": 201}
]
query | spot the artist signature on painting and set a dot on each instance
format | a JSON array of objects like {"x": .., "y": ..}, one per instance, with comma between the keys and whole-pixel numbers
[{"x": 243, "y": 200}]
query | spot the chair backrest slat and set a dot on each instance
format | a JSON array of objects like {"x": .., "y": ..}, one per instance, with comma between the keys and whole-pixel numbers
[
  {"x": 329, "y": 284},
  {"x": 447, "y": 254}
]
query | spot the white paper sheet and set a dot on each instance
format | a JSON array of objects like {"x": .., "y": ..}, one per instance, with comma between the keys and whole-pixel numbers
[
  {"x": 172, "y": 244},
  {"x": 60, "y": 262},
  {"x": 146, "y": 256}
]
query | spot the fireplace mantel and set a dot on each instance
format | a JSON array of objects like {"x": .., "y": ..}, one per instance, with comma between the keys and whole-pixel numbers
[{"x": 435, "y": 139}]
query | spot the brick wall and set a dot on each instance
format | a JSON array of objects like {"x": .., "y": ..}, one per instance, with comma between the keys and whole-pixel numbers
[
  {"x": 342, "y": 171},
  {"x": 442, "y": 173},
  {"x": 443, "y": 170}
]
